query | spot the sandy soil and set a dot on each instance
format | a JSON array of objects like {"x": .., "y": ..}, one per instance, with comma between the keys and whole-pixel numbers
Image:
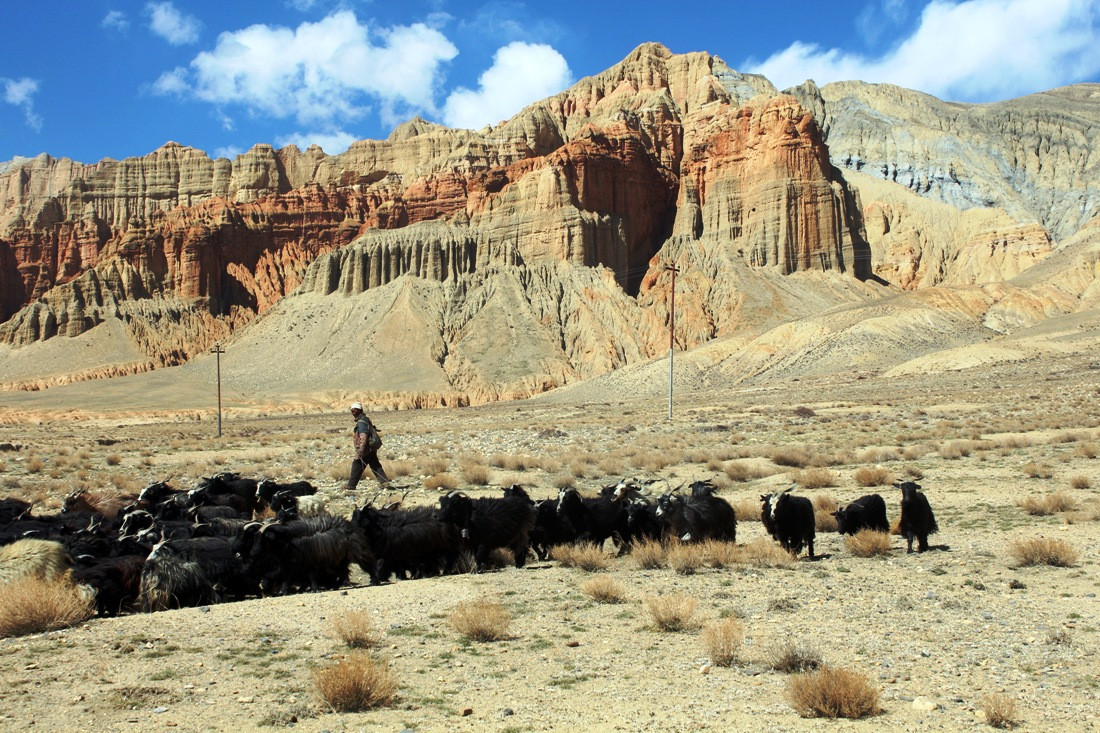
[{"x": 934, "y": 632}]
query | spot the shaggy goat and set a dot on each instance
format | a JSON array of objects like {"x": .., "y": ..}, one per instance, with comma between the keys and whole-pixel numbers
[{"x": 917, "y": 520}]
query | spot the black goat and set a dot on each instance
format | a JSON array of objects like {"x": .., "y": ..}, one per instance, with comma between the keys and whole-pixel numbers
[
  {"x": 917, "y": 520},
  {"x": 13, "y": 509},
  {"x": 593, "y": 519},
  {"x": 549, "y": 530},
  {"x": 486, "y": 524},
  {"x": 267, "y": 489},
  {"x": 408, "y": 542},
  {"x": 700, "y": 516},
  {"x": 115, "y": 580},
  {"x": 641, "y": 524},
  {"x": 789, "y": 520},
  {"x": 314, "y": 553},
  {"x": 866, "y": 512}
]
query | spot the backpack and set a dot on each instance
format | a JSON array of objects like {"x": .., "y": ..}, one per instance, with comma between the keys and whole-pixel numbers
[{"x": 374, "y": 440}]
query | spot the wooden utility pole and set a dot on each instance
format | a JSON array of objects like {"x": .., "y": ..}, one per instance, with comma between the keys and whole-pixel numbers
[
  {"x": 671, "y": 330},
  {"x": 219, "y": 351}
]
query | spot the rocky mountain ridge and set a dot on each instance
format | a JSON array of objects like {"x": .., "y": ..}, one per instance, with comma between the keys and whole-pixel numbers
[{"x": 533, "y": 254}]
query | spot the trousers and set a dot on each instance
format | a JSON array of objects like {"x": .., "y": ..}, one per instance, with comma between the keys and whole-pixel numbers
[{"x": 359, "y": 465}]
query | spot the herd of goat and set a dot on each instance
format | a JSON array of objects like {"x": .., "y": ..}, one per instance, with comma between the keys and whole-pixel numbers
[{"x": 169, "y": 548}]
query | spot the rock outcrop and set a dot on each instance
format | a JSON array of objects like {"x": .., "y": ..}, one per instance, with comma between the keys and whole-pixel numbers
[{"x": 533, "y": 254}]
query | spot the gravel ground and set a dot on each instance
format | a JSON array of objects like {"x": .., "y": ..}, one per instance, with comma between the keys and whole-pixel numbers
[{"x": 934, "y": 632}]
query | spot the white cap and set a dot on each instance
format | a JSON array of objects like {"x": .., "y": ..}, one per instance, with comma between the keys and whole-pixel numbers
[{"x": 357, "y": 406}]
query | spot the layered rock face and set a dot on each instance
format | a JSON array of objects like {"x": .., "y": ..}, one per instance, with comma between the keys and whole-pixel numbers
[
  {"x": 1034, "y": 157},
  {"x": 558, "y": 224}
]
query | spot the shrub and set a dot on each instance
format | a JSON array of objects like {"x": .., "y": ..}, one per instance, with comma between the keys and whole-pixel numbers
[
  {"x": 1047, "y": 504},
  {"x": 825, "y": 503},
  {"x": 565, "y": 481},
  {"x": 876, "y": 476},
  {"x": 356, "y": 629},
  {"x": 747, "y": 509},
  {"x": 1042, "y": 551},
  {"x": 739, "y": 471},
  {"x": 34, "y": 464},
  {"x": 685, "y": 559},
  {"x": 833, "y": 692},
  {"x": 1080, "y": 482},
  {"x": 955, "y": 449},
  {"x": 475, "y": 473},
  {"x": 794, "y": 456},
  {"x": 722, "y": 640},
  {"x": 356, "y": 682},
  {"x": 396, "y": 469},
  {"x": 648, "y": 554},
  {"x": 671, "y": 613},
  {"x": 824, "y": 521},
  {"x": 791, "y": 657},
  {"x": 431, "y": 466},
  {"x": 1032, "y": 469},
  {"x": 1000, "y": 711},
  {"x": 868, "y": 543},
  {"x": 878, "y": 455},
  {"x": 1086, "y": 450},
  {"x": 764, "y": 553},
  {"x": 585, "y": 556},
  {"x": 114, "y": 459},
  {"x": 803, "y": 411},
  {"x": 442, "y": 482},
  {"x": 32, "y": 604},
  {"x": 815, "y": 478},
  {"x": 718, "y": 554},
  {"x": 481, "y": 620},
  {"x": 604, "y": 588}
]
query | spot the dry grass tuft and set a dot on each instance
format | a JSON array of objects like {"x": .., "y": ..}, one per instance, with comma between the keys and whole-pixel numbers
[
  {"x": 1047, "y": 504},
  {"x": 1087, "y": 450},
  {"x": 565, "y": 481},
  {"x": 475, "y": 473},
  {"x": 481, "y": 620},
  {"x": 356, "y": 682},
  {"x": 746, "y": 509},
  {"x": 876, "y": 476},
  {"x": 1033, "y": 469},
  {"x": 833, "y": 692},
  {"x": 672, "y": 613},
  {"x": 1000, "y": 711},
  {"x": 397, "y": 469},
  {"x": 868, "y": 543},
  {"x": 815, "y": 478},
  {"x": 441, "y": 482},
  {"x": 739, "y": 471},
  {"x": 356, "y": 629},
  {"x": 34, "y": 464},
  {"x": 803, "y": 411},
  {"x": 719, "y": 554},
  {"x": 825, "y": 503},
  {"x": 788, "y": 455},
  {"x": 32, "y": 604},
  {"x": 430, "y": 466},
  {"x": 604, "y": 588},
  {"x": 648, "y": 555},
  {"x": 956, "y": 449},
  {"x": 790, "y": 657},
  {"x": 1080, "y": 482},
  {"x": 764, "y": 553},
  {"x": 685, "y": 559},
  {"x": 1043, "y": 551},
  {"x": 722, "y": 640},
  {"x": 585, "y": 556},
  {"x": 824, "y": 521},
  {"x": 113, "y": 459}
]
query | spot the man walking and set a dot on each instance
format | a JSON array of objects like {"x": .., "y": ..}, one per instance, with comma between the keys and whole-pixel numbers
[{"x": 367, "y": 442}]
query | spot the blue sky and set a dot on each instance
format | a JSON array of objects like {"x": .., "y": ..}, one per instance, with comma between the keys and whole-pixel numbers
[{"x": 88, "y": 79}]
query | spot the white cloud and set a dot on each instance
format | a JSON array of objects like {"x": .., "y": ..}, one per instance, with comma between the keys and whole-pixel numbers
[
  {"x": 977, "y": 50},
  {"x": 333, "y": 142},
  {"x": 521, "y": 73},
  {"x": 20, "y": 93},
  {"x": 318, "y": 73},
  {"x": 170, "y": 24},
  {"x": 229, "y": 151},
  {"x": 115, "y": 20}
]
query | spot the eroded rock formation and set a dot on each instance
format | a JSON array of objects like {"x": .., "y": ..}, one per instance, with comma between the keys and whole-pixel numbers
[{"x": 557, "y": 223}]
